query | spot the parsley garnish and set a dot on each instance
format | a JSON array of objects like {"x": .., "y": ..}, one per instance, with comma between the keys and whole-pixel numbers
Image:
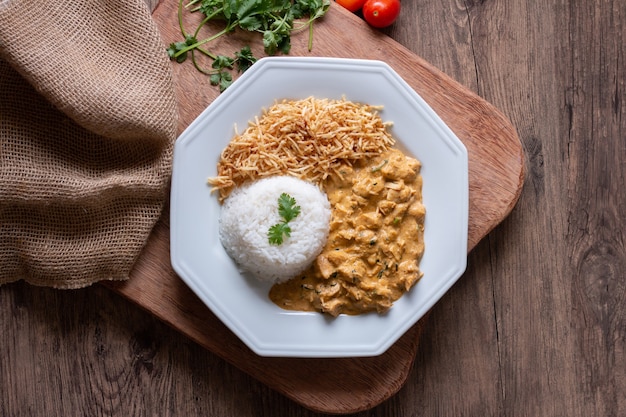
[
  {"x": 275, "y": 20},
  {"x": 287, "y": 207},
  {"x": 288, "y": 210},
  {"x": 276, "y": 232}
]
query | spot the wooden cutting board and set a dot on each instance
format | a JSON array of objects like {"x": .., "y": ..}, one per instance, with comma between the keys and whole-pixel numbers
[{"x": 496, "y": 170}]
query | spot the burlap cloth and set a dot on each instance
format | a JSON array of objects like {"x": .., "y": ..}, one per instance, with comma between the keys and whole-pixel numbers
[{"x": 87, "y": 123}]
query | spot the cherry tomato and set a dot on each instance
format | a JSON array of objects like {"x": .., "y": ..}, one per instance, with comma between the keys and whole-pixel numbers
[
  {"x": 381, "y": 13},
  {"x": 352, "y": 5}
]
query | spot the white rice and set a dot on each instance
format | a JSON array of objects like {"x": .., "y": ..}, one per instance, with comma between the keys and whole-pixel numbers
[{"x": 249, "y": 212}]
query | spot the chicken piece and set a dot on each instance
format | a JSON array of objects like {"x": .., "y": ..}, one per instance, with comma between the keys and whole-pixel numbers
[
  {"x": 366, "y": 184},
  {"x": 400, "y": 167},
  {"x": 327, "y": 291},
  {"x": 324, "y": 266},
  {"x": 398, "y": 192},
  {"x": 385, "y": 206},
  {"x": 370, "y": 220},
  {"x": 337, "y": 257},
  {"x": 417, "y": 210},
  {"x": 333, "y": 306},
  {"x": 353, "y": 269},
  {"x": 366, "y": 237},
  {"x": 347, "y": 234}
]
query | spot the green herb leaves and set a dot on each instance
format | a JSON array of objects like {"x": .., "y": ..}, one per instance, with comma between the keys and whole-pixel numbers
[
  {"x": 276, "y": 232},
  {"x": 275, "y": 20},
  {"x": 288, "y": 210}
]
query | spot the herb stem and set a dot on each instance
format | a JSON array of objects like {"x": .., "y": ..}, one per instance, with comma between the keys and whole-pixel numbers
[
  {"x": 198, "y": 67},
  {"x": 202, "y": 42},
  {"x": 206, "y": 19},
  {"x": 207, "y": 53},
  {"x": 180, "y": 19},
  {"x": 192, "y": 2}
]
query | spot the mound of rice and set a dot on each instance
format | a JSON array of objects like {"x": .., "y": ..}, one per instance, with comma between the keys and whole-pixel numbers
[{"x": 249, "y": 212}]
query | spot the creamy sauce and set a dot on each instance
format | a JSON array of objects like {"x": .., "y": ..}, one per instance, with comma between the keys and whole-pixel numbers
[{"x": 375, "y": 244}]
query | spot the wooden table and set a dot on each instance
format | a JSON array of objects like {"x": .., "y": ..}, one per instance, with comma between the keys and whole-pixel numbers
[{"x": 536, "y": 326}]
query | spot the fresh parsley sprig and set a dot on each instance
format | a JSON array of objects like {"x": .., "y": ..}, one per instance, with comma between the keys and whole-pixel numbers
[
  {"x": 276, "y": 20},
  {"x": 288, "y": 210}
]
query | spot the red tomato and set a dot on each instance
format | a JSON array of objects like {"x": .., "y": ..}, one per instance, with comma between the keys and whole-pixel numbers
[
  {"x": 381, "y": 13},
  {"x": 352, "y": 5}
]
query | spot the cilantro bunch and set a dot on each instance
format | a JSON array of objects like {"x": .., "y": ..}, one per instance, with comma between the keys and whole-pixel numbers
[{"x": 275, "y": 20}]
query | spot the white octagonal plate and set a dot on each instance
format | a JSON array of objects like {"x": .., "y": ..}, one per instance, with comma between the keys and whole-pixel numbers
[{"x": 243, "y": 303}]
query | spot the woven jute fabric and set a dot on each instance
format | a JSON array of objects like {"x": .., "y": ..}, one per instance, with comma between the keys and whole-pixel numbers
[{"x": 87, "y": 125}]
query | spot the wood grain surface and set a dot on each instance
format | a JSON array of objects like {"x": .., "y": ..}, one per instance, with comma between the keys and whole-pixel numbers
[
  {"x": 496, "y": 171},
  {"x": 534, "y": 327}
]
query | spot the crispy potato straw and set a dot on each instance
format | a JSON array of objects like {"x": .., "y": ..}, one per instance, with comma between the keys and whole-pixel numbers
[{"x": 308, "y": 139}]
